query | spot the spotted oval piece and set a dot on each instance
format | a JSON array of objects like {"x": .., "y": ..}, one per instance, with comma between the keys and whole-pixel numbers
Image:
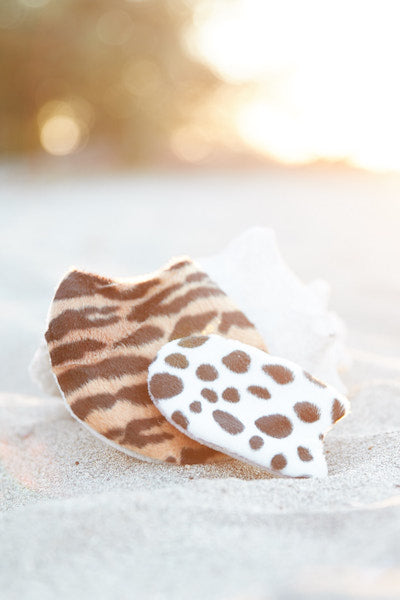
[
  {"x": 206, "y": 372},
  {"x": 231, "y": 394},
  {"x": 228, "y": 422},
  {"x": 279, "y": 373},
  {"x": 177, "y": 360},
  {"x": 278, "y": 462},
  {"x": 338, "y": 411},
  {"x": 209, "y": 395},
  {"x": 260, "y": 392},
  {"x": 237, "y": 361},
  {"x": 240, "y": 400},
  {"x": 165, "y": 385},
  {"x": 304, "y": 454},
  {"x": 256, "y": 442},
  {"x": 277, "y": 426},
  {"x": 307, "y": 411}
]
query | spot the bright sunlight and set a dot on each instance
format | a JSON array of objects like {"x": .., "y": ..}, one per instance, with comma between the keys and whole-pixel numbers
[{"x": 324, "y": 76}]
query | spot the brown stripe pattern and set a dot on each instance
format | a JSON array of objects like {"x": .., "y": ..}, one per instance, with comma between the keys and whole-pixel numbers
[{"x": 103, "y": 334}]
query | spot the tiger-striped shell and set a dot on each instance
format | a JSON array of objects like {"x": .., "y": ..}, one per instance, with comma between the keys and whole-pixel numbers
[{"x": 102, "y": 336}]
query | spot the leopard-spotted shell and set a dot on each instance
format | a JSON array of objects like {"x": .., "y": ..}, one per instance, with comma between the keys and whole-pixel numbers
[{"x": 242, "y": 401}]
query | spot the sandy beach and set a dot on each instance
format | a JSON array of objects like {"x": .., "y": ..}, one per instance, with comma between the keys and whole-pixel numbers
[{"x": 81, "y": 520}]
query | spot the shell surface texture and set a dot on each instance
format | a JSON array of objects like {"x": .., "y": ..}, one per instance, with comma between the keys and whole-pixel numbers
[
  {"x": 246, "y": 403},
  {"x": 102, "y": 335}
]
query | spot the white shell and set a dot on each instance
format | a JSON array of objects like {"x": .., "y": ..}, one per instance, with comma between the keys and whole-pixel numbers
[
  {"x": 40, "y": 370},
  {"x": 291, "y": 316},
  {"x": 192, "y": 382}
]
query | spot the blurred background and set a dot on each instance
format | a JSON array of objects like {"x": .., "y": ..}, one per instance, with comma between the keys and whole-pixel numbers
[
  {"x": 133, "y": 83},
  {"x": 135, "y": 130}
]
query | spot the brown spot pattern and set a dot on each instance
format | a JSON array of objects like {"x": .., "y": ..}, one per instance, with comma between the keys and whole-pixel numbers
[
  {"x": 278, "y": 462},
  {"x": 209, "y": 395},
  {"x": 164, "y": 385},
  {"x": 314, "y": 379},
  {"x": 256, "y": 442},
  {"x": 207, "y": 372},
  {"x": 304, "y": 454},
  {"x": 307, "y": 412},
  {"x": 228, "y": 422},
  {"x": 231, "y": 395},
  {"x": 338, "y": 410},
  {"x": 193, "y": 342},
  {"x": 277, "y": 426},
  {"x": 195, "y": 406},
  {"x": 237, "y": 361},
  {"x": 279, "y": 373},
  {"x": 179, "y": 418},
  {"x": 260, "y": 392},
  {"x": 177, "y": 360}
]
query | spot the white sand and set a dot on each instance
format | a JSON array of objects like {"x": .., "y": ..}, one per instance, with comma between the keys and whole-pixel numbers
[{"x": 112, "y": 527}]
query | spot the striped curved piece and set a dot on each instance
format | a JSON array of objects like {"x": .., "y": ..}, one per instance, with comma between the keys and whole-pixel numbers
[{"x": 103, "y": 334}]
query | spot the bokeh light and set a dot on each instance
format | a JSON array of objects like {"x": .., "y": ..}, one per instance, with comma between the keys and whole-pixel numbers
[
  {"x": 325, "y": 75},
  {"x": 141, "y": 77},
  {"x": 63, "y": 126},
  {"x": 114, "y": 27},
  {"x": 60, "y": 135},
  {"x": 201, "y": 82},
  {"x": 190, "y": 144}
]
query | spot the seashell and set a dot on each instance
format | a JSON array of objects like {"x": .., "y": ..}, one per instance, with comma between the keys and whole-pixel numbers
[
  {"x": 246, "y": 403},
  {"x": 104, "y": 333},
  {"x": 292, "y": 316}
]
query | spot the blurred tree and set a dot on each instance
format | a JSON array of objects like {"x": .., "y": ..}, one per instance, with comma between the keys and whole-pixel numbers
[{"x": 114, "y": 75}]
